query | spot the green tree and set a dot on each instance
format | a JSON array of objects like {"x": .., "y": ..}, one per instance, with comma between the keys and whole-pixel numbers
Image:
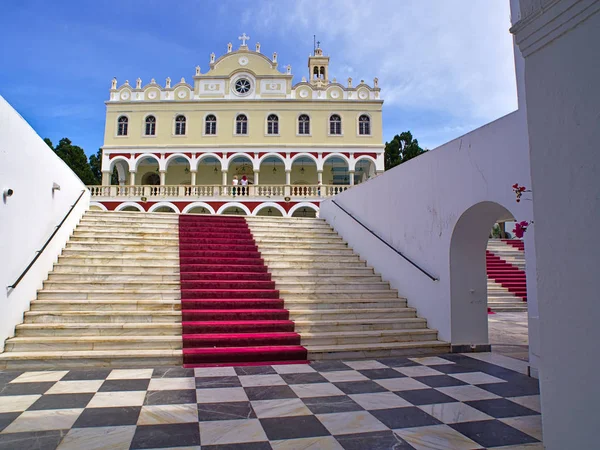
[
  {"x": 96, "y": 166},
  {"x": 49, "y": 143},
  {"x": 75, "y": 158},
  {"x": 400, "y": 149}
]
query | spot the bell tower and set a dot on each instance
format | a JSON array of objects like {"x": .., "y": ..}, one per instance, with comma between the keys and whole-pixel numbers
[{"x": 318, "y": 66}]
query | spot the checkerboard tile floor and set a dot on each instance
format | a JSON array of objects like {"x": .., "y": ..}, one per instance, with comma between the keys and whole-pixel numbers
[{"x": 449, "y": 402}]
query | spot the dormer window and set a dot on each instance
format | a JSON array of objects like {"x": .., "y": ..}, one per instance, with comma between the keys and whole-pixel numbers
[
  {"x": 303, "y": 124},
  {"x": 180, "y": 125},
  {"x": 335, "y": 124},
  {"x": 272, "y": 124},
  {"x": 364, "y": 125},
  {"x": 123, "y": 122},
  {"x": 150, "y": 126},
  {"x": 210, "y": 126},
  {"x": 241, "y": 124}
]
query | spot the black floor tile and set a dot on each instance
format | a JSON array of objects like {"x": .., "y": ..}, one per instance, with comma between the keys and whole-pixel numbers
[
  {"x": 225, "y": 411},
  {"x": 7, "y": 418},
  {"x": 359, "y": 387},
  {"x": 493, "y": 433},
  {"x": 124, "y": 385},
  {"x": 408, "y": 417},
  {"x": 293, "y": 427},
  {"x": 500, "y": 408},
  {"x": 398, "y": 362},
  {"x": 172, "y": 372},
  {"x": 175, "y": 397},
  {"x": 379, "y": 440},
  {"x": 61, "y": 401},
  {"x": 380, "y": 374},
  {"x": 437, "y": 381},
  {"x": 453, "y": 368},
  {"x": 169, "y": 435},
  {"x": 255, "y": 370},
  {"x": 327, "y": 405},
  {"x": 269, "y": 392},
  {"x": 217, "y": 382},
  {"x": 303, "y": 378},
  {"x": 329, "y": 366},
  {"x": 26, "y": 388},
  {"x": 108, "y": 417},
  {"x": 244, "y": 446},
  {"x": 7, "y": 377},
  {"x": 513, "y": 389},
  {"x": 425, "y": 397},
  {"x": 95, "y": 374},
  {"x": 35, "y": 440}
]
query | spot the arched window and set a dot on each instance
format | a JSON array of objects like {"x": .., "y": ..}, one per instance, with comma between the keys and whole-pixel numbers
[
  {"x": 122, "y": 128},
  {"x": 322, "y": 72},
  {"x": 150, "y": 126},
  {"x": 316, "y": 72},
  {"x": 364, "y": 125},
  {"x": 210, "y": 125},
  {"x": 180, "y": 125},
  {"x": 241, "y": 124},
  {"x": 335, "y": 124},
  {"x": 272, "y": 124},
  {"x": 303, "y": 124}
]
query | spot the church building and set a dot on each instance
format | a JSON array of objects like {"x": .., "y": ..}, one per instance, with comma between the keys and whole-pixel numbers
[{"x": 240, "y": 138}]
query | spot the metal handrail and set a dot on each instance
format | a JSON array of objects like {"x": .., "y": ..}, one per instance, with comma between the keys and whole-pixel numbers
[
  {"x": 39, "y": 252},
  {"x": 386, "y": 243}
]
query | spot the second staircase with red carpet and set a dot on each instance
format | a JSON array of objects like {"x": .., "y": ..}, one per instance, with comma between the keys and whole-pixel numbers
[{"x": 231, "y": 311}]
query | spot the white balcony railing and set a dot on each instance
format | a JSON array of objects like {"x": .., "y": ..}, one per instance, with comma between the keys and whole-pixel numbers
[{"x": 259, "y": 192}]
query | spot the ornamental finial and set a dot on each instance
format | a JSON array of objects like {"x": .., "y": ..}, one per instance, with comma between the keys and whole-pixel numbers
[
  {"x": 244, "y": 38},
  {"x": 168, "y": 83},
  {"x": 113, "y": 84}
]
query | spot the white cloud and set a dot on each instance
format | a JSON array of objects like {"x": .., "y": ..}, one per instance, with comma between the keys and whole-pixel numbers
[{"x": 451, "y": 57}]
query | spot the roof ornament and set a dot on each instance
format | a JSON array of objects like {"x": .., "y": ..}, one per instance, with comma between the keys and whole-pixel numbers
[
  {"x": 258, "y": 47},
  {"x": 244, "y": 38},
  {"x": 288, "y": 69},
  {"x": 113, "y": 84},
  {"x": 168, "y": 83},
  {"x": 229, "y": 47},
  {"x": 334, "y": 79},
  {"x": 197, "y": 70},
  {"x": 376, "y": 82},
  {"x": 349, "y": 82},
  {"x": 152, "y": 81},
  {"x": 212, "y": 57},
  {"x": 182, "y": 80},
  {"x": 138, "y": 83},
  {"x": 274, "y": 57},
  {"x": 126, "y": 82}
]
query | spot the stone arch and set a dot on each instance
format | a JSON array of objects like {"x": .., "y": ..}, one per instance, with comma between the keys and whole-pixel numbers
[
  {"x": 123, "y": 166},
  {"x": 136, "y": 161},
  {"x": 301, "y": 155},
  {"x": 300, "y": 206},
  {"x": 234, "y": 205},
  {"x": 334, "y": 176},
  {"x": 176, "y": 175},
  {"x": 209, "y": 167},
  {"x": 231, "y": 173},
  {"x": 362, "y": 174},
  {"x": 194, "y": 205},
  {"x": 97, "y": 206},
  {"x": 304, "y": 171},
  {"x": 126, "y": 205},
  {"x": 272, "y": 167},
  {"x": 203, "y": 156},
  {"x": 468, "y": 277},
  {"x": 274, "y": 205},
  {"x": 161, "y": 205}
]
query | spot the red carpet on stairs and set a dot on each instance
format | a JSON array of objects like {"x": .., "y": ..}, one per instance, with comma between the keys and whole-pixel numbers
[
  {"x": 507, "y": 275},
  {"x": 516, "y": 243},
  {"x": 231, "y": 311}
]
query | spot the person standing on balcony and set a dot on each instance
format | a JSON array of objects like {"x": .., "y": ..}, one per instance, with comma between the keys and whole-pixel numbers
[
  {"x": 235, "y": 183},
  {"x": 244, "y": 183}
]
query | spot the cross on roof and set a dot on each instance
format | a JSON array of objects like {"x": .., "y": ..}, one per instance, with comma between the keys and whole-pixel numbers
[
  {"x": 244, "y": 38},
  {"x": 318, "y": 44}
]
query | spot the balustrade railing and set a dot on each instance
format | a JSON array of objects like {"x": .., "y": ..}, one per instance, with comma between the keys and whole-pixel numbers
[{"x": 217, "y": 191}]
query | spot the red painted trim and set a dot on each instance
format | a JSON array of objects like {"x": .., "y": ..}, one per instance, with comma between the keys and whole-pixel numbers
[
  {"x": 126, "y": 155},
  {"x": 111, "y": 205}
]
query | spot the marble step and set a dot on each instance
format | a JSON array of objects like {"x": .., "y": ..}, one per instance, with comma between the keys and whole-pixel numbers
[
  {"x": 269, "y": 239},
  {"x": 344, "y": 304},
  {"x": 66, "y": 267},
  {"x": 92, "y": 343},
  {"x": 110, "y": 294},
  {"x": 380, "y": 350},
  {"x": 276, "y": 233},
  {"x": 124, "y": 234},
  {"x": 125, "y": 240},
  {"x": 116, "y": 255},
  {"x": 87, "y": 359},
  {"x": 99, "y": 329},
  {"x": 320, "y": 326},
  {"x": 325, "y": 295},
  {"x": 363, "y": 314},
  {"x": 300, "y": 245},
  {"x": 368, "y": 337},
  {"x": 507, "y": 308},
  {"x": 113, "y": 277},
  {"x": 310, "y": 279},
  {"x": 62, "y": 317},
  {"x": 353, "y": 263},
  {"x": 292, "y": 251},
  {"x": 105, "y": 305},
  {"x": 299, "y": 227},
  {"x": 141, "y": 247},
  {"x": 129, "y": 286},
  {"x": 292, "y": 260},
  {"x": 292, "y": 272},
  {"x": 121, "y": 218},
  {"x": 109, "y": 228},
  {"x": 318, "y": 286}
]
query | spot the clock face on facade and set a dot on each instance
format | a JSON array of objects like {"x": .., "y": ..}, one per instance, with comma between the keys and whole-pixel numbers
[{"x": 242, "y": 86}]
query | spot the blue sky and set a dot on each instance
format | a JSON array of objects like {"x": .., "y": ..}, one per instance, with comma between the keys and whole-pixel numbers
[{"x": 445, "y": 66}]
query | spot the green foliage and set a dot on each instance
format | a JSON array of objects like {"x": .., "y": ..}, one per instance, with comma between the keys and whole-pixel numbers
[
  {"x": 402, "y": 148},
  {"x": 75, "y": 158},
  {"x": 49, "y": 143},
  {"x": 96, "y": 166}
]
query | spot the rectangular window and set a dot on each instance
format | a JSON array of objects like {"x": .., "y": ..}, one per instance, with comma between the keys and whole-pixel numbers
[
  {"x": 335, "y": 127},
  {"x": 122, "y": 129},
  {"x": 241, "y": 127},
  {"x": 180, "y": 128},
  {"x": 211, "y": 128},
  {"x": 273, "y": 128},
  {"x": 150, "y": 128},
  {"x": 304, "y": 128},
  {"x": 364, "y": 128}
]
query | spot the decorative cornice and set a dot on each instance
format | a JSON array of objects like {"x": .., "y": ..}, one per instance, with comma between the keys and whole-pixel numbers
[{"x": 545, "y": 20}]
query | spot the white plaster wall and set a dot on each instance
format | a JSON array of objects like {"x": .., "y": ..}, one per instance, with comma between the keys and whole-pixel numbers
[
  {"x": 28, "y": 218},
  {"x": 563, "y": 102},
  {"x": 415, "y": 208}
]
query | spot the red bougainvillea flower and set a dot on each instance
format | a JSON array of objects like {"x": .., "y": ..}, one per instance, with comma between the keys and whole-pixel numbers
[
  {"x": 522, "y": 188},
  {"x": 516, "y": 186}
]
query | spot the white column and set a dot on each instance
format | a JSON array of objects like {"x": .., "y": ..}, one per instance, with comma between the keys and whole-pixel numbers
[
  {"x": 351, "y": 176},
  {"x": 193, "y": 181},
  {"x": 131, "y": 178},
  {"x": 288, "y": 177},
  {"x": 320, "y": 176},
  {"x": 256, "y": 172},
  {"x": 224, "y": 179},
  {"x": 105, "y": 178},
  {"x": 163, "y": 176}
]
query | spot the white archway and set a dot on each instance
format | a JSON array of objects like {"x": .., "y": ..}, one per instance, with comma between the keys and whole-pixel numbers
[
  {"x": 234, "y": 205},
  {"x": 297, "y": 206},
  {"x": 301, "y": 155},
  {"x": 124, "y": 205},
  {"x": 194, "y": 205},
  {"x": 158, "y": 205},
  {"x": 277, "y": 206},
  {"x": 95, "y": 206},
  {"x": 360, "y": 158},
  {"x": 136, "y": 161}
]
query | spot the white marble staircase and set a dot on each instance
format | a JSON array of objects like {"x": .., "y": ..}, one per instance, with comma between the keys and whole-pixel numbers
[
  {"x": 112, "y": 300},
  {"x": 340, "y": 306},
  {"x": 501, "y": 299}
]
